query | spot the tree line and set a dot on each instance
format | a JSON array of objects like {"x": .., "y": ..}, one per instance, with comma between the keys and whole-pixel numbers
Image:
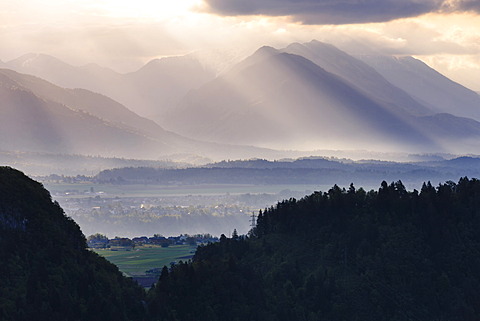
[{"x": 345, "y": 254}]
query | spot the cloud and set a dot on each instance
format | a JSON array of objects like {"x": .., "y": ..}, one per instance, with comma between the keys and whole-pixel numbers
[
  {"x": 339, "y": 11},
  {"x": 461, "y": 6}
]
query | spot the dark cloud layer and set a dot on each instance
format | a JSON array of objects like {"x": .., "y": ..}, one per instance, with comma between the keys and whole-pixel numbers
[
  {"x": 467, "y": 5},
  {"x": 339, "y": 11}
]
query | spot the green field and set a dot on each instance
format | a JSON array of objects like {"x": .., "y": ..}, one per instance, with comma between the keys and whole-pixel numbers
[{"x": 134, "y": 263}]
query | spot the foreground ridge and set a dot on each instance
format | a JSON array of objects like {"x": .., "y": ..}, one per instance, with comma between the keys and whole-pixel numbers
[
  {"x": 47, "y": 271},
  {"x": 349, "y": 254}
]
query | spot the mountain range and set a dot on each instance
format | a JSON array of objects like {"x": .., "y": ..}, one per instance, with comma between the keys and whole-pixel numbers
[
  {"x": 303, "y": 171},
  {"x": 358, "y": 74},
  {"x": 37, "y": 116},
  {"x": 279, "y": 99},
  {"x": 157, "y": 86},
  {"x": 307, "y": 96}
]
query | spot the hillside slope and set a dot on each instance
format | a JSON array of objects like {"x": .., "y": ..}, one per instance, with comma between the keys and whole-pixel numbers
[
  {"x": 428, "y": 86},
  {"x": 93, "y": 103},
  {"x": 47, "y": 272},
  {"x": 341, "y": 255},
  {"x": 159, "y": 85},
  {"x": 30, "y": 123},
  {"x": 359, "y": 74}
]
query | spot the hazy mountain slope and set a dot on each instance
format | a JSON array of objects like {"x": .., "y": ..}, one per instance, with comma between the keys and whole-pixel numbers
[
  {"x": 427, "y": 85},
  {"x": 161, "y": 83},
  {"x": 92, "y": 77},
  {"x": 41, "y": 117},
  {"x": 359, "y": 74},
  {"x": 271, "y": 99},
  {"x": 44, "y": 164},
  {"x": 29, "y": 122},
  {"x": 47, "y": 271},
  {"x": 90, "y": 102},
  {"x": 283, "y": 100},
  {"x": 151, "y": 90},
  {"x": 458, "y": 135},
  {"x": 33, "y": 122},
  {"x": 49, "y": 67}
]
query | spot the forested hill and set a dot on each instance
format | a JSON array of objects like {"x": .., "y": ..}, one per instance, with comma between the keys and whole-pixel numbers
[
  {"x": 46, "y": 272},
  {"x": 390, "y": 254},
  {"x": 300, "y": 171}
]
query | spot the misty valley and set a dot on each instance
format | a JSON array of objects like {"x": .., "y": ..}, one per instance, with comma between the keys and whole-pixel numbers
[
  {"x": 219, "y": 197},
  {"x": 170, "y": 212},
  {"x": 301, "y": 182}
]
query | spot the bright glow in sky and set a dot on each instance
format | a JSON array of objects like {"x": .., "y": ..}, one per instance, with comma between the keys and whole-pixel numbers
[
  {"x": 141, "y": 9},
  {"x": 123, "y": 34}
]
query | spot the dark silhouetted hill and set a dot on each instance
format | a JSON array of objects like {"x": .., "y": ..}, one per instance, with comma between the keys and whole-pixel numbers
[
  {"x": 389, "y": 254},
  {"x": 47, "y": 271}
]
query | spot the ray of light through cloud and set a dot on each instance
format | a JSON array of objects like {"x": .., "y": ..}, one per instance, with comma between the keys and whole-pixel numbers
[{"x": 124, "y": 35}]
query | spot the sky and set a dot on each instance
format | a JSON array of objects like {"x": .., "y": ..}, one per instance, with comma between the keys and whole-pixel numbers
[{"x": 124, "y": 35}]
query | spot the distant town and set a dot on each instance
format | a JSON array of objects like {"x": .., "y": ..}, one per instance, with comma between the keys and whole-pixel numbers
[{"x": 100, "y": 241}]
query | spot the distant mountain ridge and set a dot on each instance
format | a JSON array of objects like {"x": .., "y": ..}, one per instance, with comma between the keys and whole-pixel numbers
[
  {"x": 282, "y": 97},
  {"x": 48, "y": 127},
  {"x": 358, "y": 74},
  {"x": 37, "y": 116},
  {"x": 276, "y": 99},
  {"x": 427, "y": 85},
  {"x": 161, "y": 83},
  {"x": 149, "y": 91},
  {"x": 87, "y": 101},
  {"x": 34, "y": 122},
  {"x": 307, "y": 96},
  {"x": 310, "y": 170}
]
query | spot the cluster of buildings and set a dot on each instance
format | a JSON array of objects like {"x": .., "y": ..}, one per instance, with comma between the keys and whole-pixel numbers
[{"x": 100, "y": 241}]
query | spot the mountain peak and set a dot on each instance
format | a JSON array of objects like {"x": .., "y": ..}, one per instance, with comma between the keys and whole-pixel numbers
[
  {"x": 266, "y": 51},
  {"x": 321, "y": 44},
  {"x": 359, "y": 74},
  {"x": 169, "y": 65},
  {"x": 34, "y": 59},
  {"x": 267, "y": 48},
  {"x": 260, "y": 54}
]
